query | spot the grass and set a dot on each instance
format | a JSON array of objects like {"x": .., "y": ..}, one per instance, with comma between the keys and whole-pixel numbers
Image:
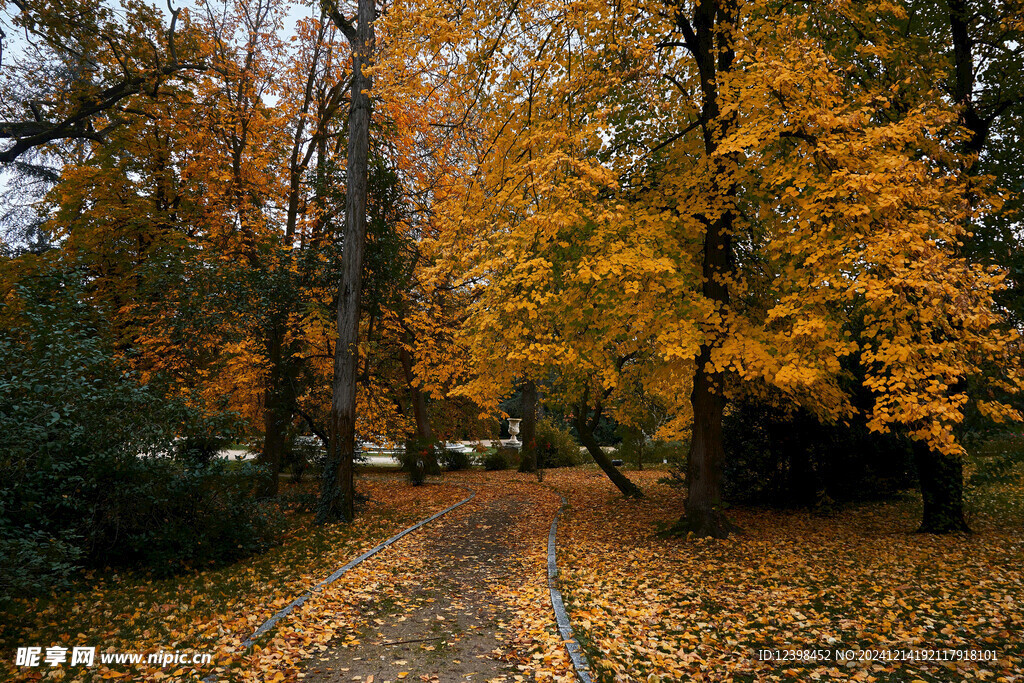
[{"x": 1005, "y": 443}]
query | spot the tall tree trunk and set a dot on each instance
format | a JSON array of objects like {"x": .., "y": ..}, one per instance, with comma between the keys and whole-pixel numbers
[
  {"x": 585, "y": 429},
  {"x": 419, "y": 399},
  {"x": 276, "y": 415},
  {"x": 709, "y": 40},
  {"x": 421, "y": 456},
  {"x": 337, "y": 494},
  {"x": 942, "y": 490},
  {"x": 964, "y": 67},
  {"x": 941, "y": 476},
  {"x": 704, "y": 515},
  {"x": 528, "y": 460}
]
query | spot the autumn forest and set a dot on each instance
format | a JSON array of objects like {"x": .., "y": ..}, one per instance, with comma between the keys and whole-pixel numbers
[{"x": 512, "y": 340}]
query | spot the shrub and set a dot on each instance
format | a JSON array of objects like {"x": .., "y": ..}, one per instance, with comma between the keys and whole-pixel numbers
[
  {"x": 88, "y": 473},
  {"x": 501, "y": 459},
  {"x": 203, "y": 431},
  {"x": 995, "y": 457},
  {"x": 787, "y": 457},
  {"x": 30, "y": 560},
  {"x": 303, "y": 453},
  {"x": 637, "y": 449},
  {"x": 667, "y": 451},
  {"x": 159, "y": 515},
  {"x": 419, "y": 459},
  {"x": 199, "y": 449},
  {"x": 555, "y": 446},
  {"x": 455, "y": 460}
]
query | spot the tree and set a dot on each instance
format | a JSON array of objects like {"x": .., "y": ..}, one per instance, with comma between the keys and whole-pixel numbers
[
  {"x": 91, "y": 472},
  {"x": 205, "y": 221},
  {"x": 710, "y": 35},
  {"x": 83, "y": 62},
  {"x": 410, "y": 89},
  {"x": 205, "y": 160},
  {"x": 792, "y": 187},
  {"x": 337, "y": 498},
  {"x": 585, "y": 421},
  {"x": 560, "y": 284},
  {"x": 921, "y": 317},
  {"x": 528, "y": 463},
  {"x": 983, "y": 61}
]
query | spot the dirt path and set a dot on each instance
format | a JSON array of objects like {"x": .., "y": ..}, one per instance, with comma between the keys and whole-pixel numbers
[{"x": 441, "y": 622}]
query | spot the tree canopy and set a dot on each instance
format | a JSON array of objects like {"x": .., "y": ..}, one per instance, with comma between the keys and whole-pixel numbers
[{"x": 381, "y": 219}]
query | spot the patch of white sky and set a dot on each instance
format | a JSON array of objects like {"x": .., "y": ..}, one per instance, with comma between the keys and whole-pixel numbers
[{"x": 292, "y": 14}]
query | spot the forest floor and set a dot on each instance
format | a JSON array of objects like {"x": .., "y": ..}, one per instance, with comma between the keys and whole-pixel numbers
[
  {"x": 207, "y": 610},
  {"x": 468, "y": 594},
  {"x": 795, "y": 593}
]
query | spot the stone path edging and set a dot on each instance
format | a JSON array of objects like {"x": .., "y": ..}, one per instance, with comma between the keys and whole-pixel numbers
[
  {"x": 301, "y": 600},
  {"x": 576, "y": 654},
  {"x": 572, "y": 646}
]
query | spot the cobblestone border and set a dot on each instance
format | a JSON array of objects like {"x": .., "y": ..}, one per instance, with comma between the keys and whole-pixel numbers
[{"x": 576, "y": 654}]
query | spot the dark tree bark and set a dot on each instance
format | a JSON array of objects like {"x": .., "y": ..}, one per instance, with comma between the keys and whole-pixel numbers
[
  {"x": 941, "y": 476},
  {"x": 419, "y": 399},
  {"x": 337, "y": 495},
  {"x": 528, "y": 459},
  {"x": 704, "y": 515},
  {"x": 942, "y": 491},
  {"x": 977, "y": 122},
  {"x": 277, "y": 413},
  {"x": 709, "y": 40},
  {"x": 585, "y": 428}
]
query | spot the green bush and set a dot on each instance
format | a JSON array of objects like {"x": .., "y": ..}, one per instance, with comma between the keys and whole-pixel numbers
[
  {"x": 637, "y": 449},
  {"x": 789, "y": 458},
  {"x": 166, "y": 518},
  {"x": 501, "y": 459},
  {"x": 303, "y": 453},
  {"x": 30, "y": 560},
  {"x": 555, "y": 446},
  {"x": 996, "y": 458},
  {"x": 455, "y": 460},
  {"x": 202, "y": 437},
  {"x": 419, "y": 459},
  {"x": 667, "y": 451},
  {"x": 90, "y": 472}
]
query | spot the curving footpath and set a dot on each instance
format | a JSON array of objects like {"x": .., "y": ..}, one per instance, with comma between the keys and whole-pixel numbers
[
  {"x": 576, "y": 654},
  {"x": 299, "y": 601}
]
